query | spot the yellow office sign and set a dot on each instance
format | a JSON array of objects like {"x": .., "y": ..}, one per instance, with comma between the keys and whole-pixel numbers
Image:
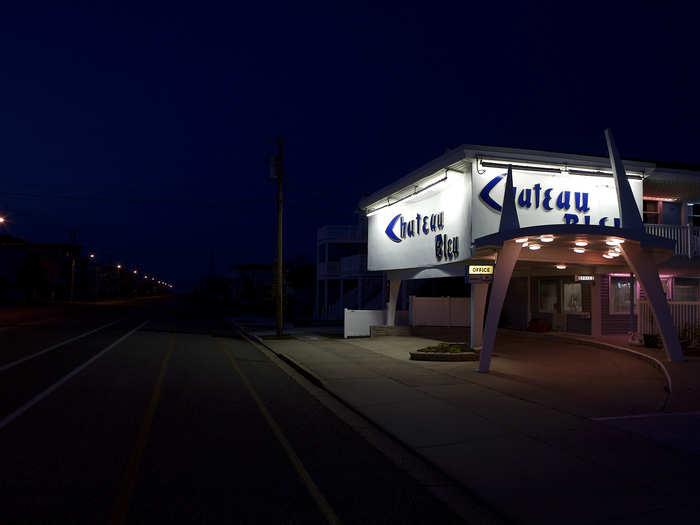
[{"x": 480, "y": 269}]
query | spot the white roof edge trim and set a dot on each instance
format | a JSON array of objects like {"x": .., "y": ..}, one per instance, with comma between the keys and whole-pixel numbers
[
  {"x": 429, "y": 169},
  {"x": 468, "y": 152}
]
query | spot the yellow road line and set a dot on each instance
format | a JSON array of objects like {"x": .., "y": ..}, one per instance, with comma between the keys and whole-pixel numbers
[
  {"x": 121, "y": 505},
  {"x": 303, "y": 474}
]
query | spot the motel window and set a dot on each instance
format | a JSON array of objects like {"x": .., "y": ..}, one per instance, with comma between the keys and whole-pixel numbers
[
  {"x": 573, "y": 297},
  {"x": 548, "y": 296},
  {"x": 620, "y": 295},
  {"x": 694, "y": 214},
  {"x": 685, "y": 289},
  {"x": 651, "y": 212}
]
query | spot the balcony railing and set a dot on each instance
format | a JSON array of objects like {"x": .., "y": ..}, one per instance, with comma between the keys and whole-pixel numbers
[
  {"x": 329, "y": 268},
  {"x": 353, "y": 264},
  {"x": 687, "y": 237},
  {"x": 341, "y": 233}
]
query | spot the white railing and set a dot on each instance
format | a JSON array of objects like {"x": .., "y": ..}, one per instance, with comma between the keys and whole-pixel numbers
[
  {"x": 356, "y": 323},
  {"x": 685, "y": 314},
  {"x": 687, "y": 237},
  {"x": 352, "y": 232},
  {"x": 353, "y": 264},
  {"x": 329, "y": 268}
]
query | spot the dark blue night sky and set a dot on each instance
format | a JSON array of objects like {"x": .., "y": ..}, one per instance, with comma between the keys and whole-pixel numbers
[{"x": 148, "y": 129}]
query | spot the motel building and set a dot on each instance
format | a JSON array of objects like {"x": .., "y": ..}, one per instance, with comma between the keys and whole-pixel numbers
[{"x": 580, "y": 244}]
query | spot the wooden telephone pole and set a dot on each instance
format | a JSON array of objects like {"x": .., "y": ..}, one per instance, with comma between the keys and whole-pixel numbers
[{"x": 278, "y": 165}]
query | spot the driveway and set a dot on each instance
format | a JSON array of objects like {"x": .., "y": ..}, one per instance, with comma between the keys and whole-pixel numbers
[{"x": 568, "y": 376}]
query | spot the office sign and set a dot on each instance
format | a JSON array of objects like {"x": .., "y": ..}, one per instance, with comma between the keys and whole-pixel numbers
[
  {"x": 584, "y": 277},
  {"x": 479, "y": 273}
]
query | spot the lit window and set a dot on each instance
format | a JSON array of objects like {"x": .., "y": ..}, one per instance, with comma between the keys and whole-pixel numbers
[
  {"x": 685, "y": 289},
  {"x": 573, "y": 297},
  {"x": 548, "y": 296},
  {"x": 651, "y": 211},
  {"x": 620, "y": 295}
]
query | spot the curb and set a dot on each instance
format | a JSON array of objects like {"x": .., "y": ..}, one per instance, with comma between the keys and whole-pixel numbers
[
  {"x": 308, "y": 374},
  {"x": 496, "y": 515}
]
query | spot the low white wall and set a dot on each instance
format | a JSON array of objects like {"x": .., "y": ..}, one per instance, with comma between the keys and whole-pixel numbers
[
  {"x": 357, "y": 322},
  {"x": 439, "y": 311}
]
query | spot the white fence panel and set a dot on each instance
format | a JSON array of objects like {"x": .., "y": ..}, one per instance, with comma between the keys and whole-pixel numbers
[
  {"x": 440, "y": 311},
  {"x": 357, "y": 322},
  {"x": 686, "y": 317}
]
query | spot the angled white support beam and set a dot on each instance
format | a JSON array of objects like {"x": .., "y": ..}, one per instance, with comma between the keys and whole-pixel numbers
[
  {"x": 643, "y": 265},
  {"x": 394, "y": 287},
  {"x": 502, "y": 274},
  {"x": 476, "y": 312},
  {"x": 629, "y": 212}
]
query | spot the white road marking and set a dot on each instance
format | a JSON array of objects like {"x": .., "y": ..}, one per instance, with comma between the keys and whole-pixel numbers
[
  {"x": 54, "y": 347},
  {"x": 642, "y": 416},
  {"x": 29, "y": 404}
]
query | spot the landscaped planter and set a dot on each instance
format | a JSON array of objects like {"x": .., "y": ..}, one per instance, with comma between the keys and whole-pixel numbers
[{"x": 445, "y": 352}]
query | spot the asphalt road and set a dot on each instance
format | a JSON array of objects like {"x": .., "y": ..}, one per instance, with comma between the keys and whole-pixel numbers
[{"x": 177, "y": 421}]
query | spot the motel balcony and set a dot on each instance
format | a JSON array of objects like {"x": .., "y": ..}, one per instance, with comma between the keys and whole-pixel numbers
[
  {"x": 341, "y": 233},
  {"x": 687, "y": 237},
  {"x": 354, "y": 264},
  {"x": 347, "y": 266}
]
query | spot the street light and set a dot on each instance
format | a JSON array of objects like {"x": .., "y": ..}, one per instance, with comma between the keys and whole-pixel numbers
[
  {"x": 2, "y": 219},
  {"x": 92, "y": 256},
  {"x": 119, "y": 266},
  {"x": 135, "y": 272}
]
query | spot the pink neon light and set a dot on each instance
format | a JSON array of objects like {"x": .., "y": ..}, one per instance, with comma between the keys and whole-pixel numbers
[{"x": 664, "y": 276}]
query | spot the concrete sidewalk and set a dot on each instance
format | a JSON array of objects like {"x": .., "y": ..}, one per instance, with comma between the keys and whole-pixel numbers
[{"x": 503, "y": 439}]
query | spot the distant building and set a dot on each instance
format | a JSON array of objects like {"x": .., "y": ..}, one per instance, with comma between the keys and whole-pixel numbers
[
  {"x": 342, "y": 278},
  {"x": 36, "y": 271}
]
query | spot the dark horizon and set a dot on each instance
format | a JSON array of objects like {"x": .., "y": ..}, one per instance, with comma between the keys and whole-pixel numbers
[{"x": 147, "y": 133}]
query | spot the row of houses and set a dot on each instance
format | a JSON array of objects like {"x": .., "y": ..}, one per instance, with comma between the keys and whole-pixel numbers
[{"x": 34, "y": 272}]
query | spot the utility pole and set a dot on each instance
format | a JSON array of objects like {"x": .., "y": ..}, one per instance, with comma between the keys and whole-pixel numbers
[
  {"x": 278, "y": 164},
  {"x": 73, "y": 241}
]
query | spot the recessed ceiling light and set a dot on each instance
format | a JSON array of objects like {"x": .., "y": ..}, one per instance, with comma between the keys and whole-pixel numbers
[
  {"x": 521, "y": 240},
  {"x": 561, "y": 267},
  {"x": 614, "y": 242},
  {"x": 546, "y": 238},
  {"x": 617, "y": 249},
  {"x": 581, "y": 243},
  {"x": 607, "y": 256},
  {"x": 579, "y": 250},
  {"x": 613, "y": 254},
  {"x": 534, "y": 246}
]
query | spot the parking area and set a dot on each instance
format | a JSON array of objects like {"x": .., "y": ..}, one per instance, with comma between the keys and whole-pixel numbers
[{"x": 568, "y": 376}]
